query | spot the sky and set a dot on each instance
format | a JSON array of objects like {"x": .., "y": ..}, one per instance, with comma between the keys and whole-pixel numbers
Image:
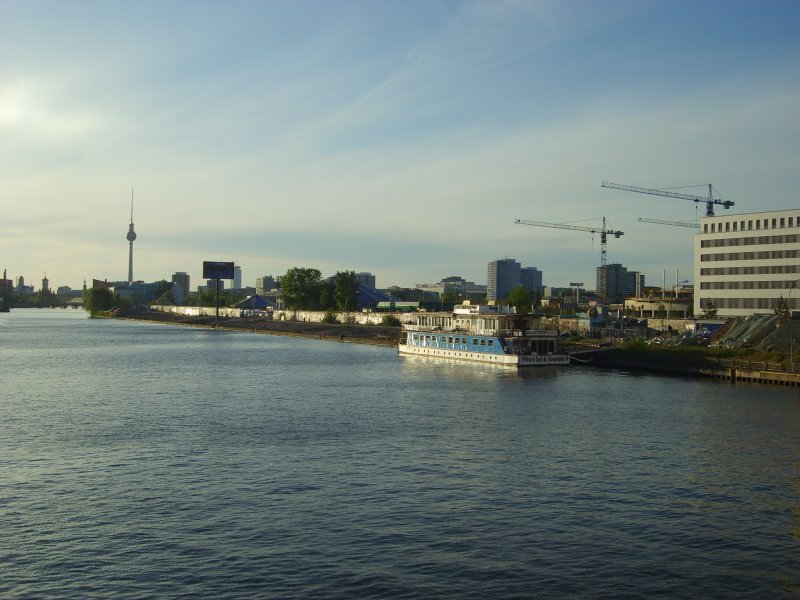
[{"x": 402, "y": 138}]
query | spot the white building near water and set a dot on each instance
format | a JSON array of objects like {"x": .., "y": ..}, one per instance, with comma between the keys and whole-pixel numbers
[{"x": 744, "y": 264}]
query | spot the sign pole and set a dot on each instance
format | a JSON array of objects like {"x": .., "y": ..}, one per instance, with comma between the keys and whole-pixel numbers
[{"x": 216, "y": 304}]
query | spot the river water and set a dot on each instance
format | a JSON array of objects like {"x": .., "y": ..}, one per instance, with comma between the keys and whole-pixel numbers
[{"x": 149, "y": 460}]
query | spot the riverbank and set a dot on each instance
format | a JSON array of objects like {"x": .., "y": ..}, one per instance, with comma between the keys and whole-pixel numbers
[
  {"x": 693, "y": 362},
  {"x": 379, "y": 335}
]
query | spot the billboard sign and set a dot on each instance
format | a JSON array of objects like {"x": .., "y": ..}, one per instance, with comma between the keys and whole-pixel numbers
[{"x": 217, "y": 270}]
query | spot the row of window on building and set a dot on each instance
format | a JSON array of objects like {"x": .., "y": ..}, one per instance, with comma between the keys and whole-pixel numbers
[
  {"x": 764, "y": 255},
  {"x": 751, "y": 241},
  {"x": 746, "y": 285},
  {"x": 752, "y": 225},
  {"x": 761, "y": 270}
]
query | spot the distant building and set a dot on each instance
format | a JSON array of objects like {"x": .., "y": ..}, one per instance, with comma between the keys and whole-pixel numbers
[
  {"x": 181, "y": 284},
  {"x": 138, "y": 292},
  {"x": 502, "y": 277},
  {"x": 211, "y": 285},
  {"x": 744, "y": 264},
  {"x": 367, "y": 279},
  {"x": 266, "y": 284},
  {"x": 615, "y": 283},
  {"x": 6, "y": 287},
  {"x": 505, "y": 274},
  {"x": 454, "y": 284},
  {"x": 531, "y": 279},
  {"x": 237, "y": 277}
]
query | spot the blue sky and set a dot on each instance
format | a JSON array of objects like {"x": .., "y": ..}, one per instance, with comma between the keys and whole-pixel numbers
[{"x": 400, "y": 138}]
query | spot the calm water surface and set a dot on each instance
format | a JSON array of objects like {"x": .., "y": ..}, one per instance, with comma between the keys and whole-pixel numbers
[{"x": 146, "y": 460}]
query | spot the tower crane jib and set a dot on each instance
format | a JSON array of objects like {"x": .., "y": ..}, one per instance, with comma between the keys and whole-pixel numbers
[
  {"x": 604, "y": 233},
  {"x": 665, "y": 222},
  {"x": 709, "y": 200}
]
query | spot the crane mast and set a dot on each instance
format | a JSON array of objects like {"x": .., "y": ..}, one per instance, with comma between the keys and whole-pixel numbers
[
  {"x": 709, "y": 200},
  {"x": 675, "y": 223},
  {"x": 601, "y": 230}
]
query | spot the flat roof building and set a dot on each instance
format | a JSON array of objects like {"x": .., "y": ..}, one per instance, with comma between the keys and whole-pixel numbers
[{"x": 744, "y": 264}]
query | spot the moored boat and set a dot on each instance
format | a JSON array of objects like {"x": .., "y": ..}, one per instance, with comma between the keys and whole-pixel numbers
[{"x": 483, "y": 333}]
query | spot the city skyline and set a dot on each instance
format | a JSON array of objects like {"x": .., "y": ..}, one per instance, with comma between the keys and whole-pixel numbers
[{"x": 401, "y": 139}]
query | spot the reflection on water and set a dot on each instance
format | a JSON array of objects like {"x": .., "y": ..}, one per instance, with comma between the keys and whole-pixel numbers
[{"x": 142, "y": 460}]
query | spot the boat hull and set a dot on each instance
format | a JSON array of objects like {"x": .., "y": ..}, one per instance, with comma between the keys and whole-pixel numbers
[{"x": 505, "y": 360}]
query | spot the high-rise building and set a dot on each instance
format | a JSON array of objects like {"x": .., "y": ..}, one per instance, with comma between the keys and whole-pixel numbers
[
  {"x": 531, "y": 279},
  {"x": 615, "y": 283},
  {"x": 744, "y": 264},
  {"x": 237, "y": 277},
  {"x": 180, "y": 287},
  {"x": 503, "y": 275}
]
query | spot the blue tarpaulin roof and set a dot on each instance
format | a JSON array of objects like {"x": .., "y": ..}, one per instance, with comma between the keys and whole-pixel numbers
[{"x": 255, "y": 301}]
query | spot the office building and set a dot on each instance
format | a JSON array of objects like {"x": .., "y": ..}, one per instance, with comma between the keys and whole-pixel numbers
[{"x": 744, "y": 264}]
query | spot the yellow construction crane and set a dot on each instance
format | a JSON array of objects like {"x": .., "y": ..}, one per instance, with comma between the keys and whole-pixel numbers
[
  {"x": 709, "y": 200},
  {"x": 602, "y": 231},
  {"x": 675, "y": 223}
]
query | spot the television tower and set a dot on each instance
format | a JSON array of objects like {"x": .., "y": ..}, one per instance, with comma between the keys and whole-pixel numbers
[{"x": 131, "y": 236}]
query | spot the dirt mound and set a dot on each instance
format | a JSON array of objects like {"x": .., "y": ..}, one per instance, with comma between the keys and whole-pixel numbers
[{"x": 767, "y": 333}]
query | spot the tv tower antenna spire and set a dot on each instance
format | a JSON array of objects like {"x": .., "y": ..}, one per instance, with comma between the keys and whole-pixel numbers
[{"x": 131, "y": 237}]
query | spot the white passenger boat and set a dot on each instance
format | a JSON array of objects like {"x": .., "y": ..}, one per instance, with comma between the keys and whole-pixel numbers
[{"x": 483, "y": 333}]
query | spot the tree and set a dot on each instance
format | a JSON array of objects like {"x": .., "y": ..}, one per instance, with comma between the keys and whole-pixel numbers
[
  {"x": 710, "y": 311},
  {"x": 326, "y": 301},
  {"x": 345, "y": 290},
  {"x": 163, "y": 287},
  {"x": 520, "y": 298},
  {"x": 98, "y": 299},
  {"x": 390, "y": 321},
  {"x": 782, "y": 308},
  {"x": 301, "y": 288},
  {"x": 536, "y": 299},
  {"x": 451, "y": 297}
]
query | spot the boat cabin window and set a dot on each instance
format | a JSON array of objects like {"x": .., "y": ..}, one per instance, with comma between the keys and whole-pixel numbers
[
  {"x": 491, "y": 343},
  {"x": 483, "y": 342}
]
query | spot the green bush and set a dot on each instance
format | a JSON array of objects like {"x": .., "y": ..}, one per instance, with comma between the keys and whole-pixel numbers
[
  {"x": 390, "y": 321},
  {"x": 330, "y": 317}
]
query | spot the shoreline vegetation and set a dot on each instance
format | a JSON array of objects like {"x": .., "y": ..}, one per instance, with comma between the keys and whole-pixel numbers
[{"x": 377, "y": 335}]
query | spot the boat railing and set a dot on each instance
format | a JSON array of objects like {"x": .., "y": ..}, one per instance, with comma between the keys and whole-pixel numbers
[{"x": 539, "y": 333}]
